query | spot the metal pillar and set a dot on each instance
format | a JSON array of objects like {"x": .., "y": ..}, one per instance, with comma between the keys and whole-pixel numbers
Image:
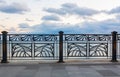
[
  {"x": 114, "y": 46},
  {"x": 61, "y": 47},
  {"x": 4, "y": 47}
]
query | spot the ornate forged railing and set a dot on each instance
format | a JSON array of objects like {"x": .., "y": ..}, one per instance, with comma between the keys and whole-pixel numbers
[
  {"x": 37, "y": 46},
  {"x": 59, "y": 46},
  {"x": 87, "y": 45}
]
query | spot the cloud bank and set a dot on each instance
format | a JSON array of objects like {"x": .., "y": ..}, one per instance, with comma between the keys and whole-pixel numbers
[
  {"x": 69, "y": 8},
  {"x": 14, "y": 8},
  {"x": 104, "y": 27}
]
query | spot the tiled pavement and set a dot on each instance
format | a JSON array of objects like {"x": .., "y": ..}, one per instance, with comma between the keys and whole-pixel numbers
[{"x": 59, "y": 70}]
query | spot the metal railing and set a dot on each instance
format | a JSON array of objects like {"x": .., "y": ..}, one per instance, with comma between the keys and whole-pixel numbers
[
  {"x": 33, "y": 46},
  {"x": 87, "y": 45},
  {"x": 59, "y": 46}
]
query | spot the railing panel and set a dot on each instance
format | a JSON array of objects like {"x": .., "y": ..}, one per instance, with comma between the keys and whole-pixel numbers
[
  {"x": 21, "y": 50},
  {"x": 98, "y": 50},
  {"x": 87, "y": 45},
  {"x": 76, "y": 49},
  {"x": 33, "y": 46}
]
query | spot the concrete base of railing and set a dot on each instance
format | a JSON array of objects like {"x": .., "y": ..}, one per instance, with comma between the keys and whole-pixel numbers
[
  {"x": 60, "y": 62},
  {"x": 114, "y": 60},
  {"x": 2, "y": 61}
]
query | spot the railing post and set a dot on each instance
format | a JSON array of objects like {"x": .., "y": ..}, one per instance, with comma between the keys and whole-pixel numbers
[
  {"x": 114, "y": 46},
  {"x": 4, "y": 47},
  {"x": 61, "y": 47}
]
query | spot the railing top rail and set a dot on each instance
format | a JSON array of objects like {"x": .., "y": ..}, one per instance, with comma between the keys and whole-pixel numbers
[
  {"x": 57, "y": 34},
  {"x": 63, "y": 34},
  {"x": 33, "y": 37},
  {"x": 88, "y": 37},
  {"x": 33, "y": 34},
  {"x": 88, "y": 34}
]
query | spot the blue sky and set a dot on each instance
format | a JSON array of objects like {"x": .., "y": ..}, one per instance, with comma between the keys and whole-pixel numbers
[{"x": 52, "y": 16}]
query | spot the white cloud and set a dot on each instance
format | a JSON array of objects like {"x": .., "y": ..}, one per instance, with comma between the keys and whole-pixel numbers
[
  {"x": 69, "y": 8},
  {"x": 14, "y": 8},
  {"x": 55, "y": 11},
  {"x": 23, "y": 25},
  {"x": 74, "y": 9},
  {"x": 115, "y": 10},
  {"x": 50, "y": 18},
  {"x": 2, "y": 1}
]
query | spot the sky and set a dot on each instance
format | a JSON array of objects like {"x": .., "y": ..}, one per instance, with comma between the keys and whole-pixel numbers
[{"x": 52, "y": 16}]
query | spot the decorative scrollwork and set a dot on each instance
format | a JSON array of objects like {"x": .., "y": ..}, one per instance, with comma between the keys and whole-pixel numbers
[
  {"x": 32, "y": 37},
  {"x": 20, "y": 37},
  {"x": 99, "y": 37},
  {"x": 87, "y": 37},
  {"x": 45, "y": 37},
  {"x": 76, "y": 50},
  {"x": 99, "y": 50},
  {"x": 76, "y": 37},
  {"x": 21, "y": 50},
  {"x": 44, "y": 50}
]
